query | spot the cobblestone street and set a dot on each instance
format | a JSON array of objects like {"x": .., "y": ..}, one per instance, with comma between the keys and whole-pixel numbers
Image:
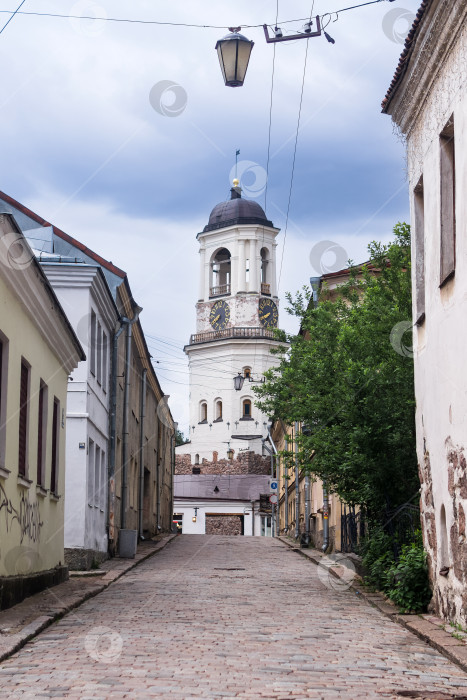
[{"x": 227, "y": 617}]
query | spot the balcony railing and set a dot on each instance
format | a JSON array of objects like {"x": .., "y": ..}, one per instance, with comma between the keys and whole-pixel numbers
[
  {"x": 221, "y": 291},
  {"x": 265, "y": 288},
  {"x": 229, "y": 333}
]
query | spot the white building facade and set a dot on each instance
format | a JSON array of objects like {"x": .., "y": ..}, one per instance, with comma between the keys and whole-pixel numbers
[
  {"x": 428, "y": 102},
  {"x": 89, "y": 305},
  {"x": 236, "y": 313}
]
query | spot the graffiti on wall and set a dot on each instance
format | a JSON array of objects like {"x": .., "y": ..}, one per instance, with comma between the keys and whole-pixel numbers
[{"x": 27, "y": 516}]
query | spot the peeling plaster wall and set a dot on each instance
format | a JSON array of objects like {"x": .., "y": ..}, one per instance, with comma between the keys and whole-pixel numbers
[{"x": 434, "y": 89}]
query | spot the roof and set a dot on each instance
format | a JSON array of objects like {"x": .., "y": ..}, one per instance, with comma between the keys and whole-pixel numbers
[
  {"x": 64, "y": 236},
  {"x": 235, "y": 211},
  {"x": 231, "y": 487},
  {"x": 405, "y": 55}
]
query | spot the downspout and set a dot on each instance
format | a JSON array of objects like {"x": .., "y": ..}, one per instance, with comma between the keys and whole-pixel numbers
[
  {"x": 142, "y": 414},
  {"x": 126, "y": 406},
  {"x": 158, "y": 479},
  {"x": 286, "y": 495},
  {"x": 172, "y": 439},
  {"x": 297, "y": 484},
  {"x": 273, "y": 453},
  {"x": 253, "y": 518},
  {"x": 113, "y": 432},
  {"x": 325, "y": 516}
]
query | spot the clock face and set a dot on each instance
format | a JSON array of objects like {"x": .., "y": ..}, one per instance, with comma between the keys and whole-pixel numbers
[
  {"x": 268, "y": 313},
  {"x": 220, "y": 315}
]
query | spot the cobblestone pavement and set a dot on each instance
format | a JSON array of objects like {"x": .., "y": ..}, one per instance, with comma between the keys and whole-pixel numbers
[{"x": 227, "y": 617}]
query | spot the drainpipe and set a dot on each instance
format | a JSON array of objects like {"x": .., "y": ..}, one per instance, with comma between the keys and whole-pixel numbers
[
  {"x": 275, "y": 513},
  {"x": 325, "y": 516},
  {"x": 297, "y": 495},
  {"x": 158, "y": 480},
  {"x": 172, "y": 439},
  {"x": 113, "y": 431},
  {"x": 286, "y": 495},
  {"x": 253, "y": 518},
  {"x": 126, "y": 410},
  {"x": 307, "y": 509},
  {"x": 142, "y": 414}
]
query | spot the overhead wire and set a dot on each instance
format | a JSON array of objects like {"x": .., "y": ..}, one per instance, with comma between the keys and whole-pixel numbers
[
  {"x": 169, "y": 24},
  {"x": 13, "y": 14},
  {"x": 294, "y": 156}
]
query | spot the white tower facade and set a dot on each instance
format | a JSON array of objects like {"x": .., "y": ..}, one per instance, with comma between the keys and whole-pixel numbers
[{"x": 236, "y": 313}]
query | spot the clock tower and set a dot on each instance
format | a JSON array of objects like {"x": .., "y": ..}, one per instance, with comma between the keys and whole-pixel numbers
[{"x": 236, "y": 312}]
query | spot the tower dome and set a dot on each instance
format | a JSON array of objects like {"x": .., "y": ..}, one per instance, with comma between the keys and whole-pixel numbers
[{"x": 236, "y": 210}]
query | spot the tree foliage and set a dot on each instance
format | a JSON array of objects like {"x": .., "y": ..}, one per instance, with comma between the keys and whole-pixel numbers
[{"x": 348, "y": 377}]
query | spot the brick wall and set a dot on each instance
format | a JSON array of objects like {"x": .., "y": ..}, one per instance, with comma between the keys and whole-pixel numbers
[{"x": 244, "y": 463}]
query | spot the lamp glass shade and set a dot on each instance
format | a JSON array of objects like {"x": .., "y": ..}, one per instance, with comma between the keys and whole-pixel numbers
[
  {"x": 238, "y": 382},
  {"x": 234, "y": 54}
]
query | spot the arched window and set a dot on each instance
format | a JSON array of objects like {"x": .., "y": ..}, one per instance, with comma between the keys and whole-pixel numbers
[
  {"x": 246, "y": 406},
  {"x": 218, "y": 410},
  {"x": 265, "y": 282},
  {"x": 220, "y": 273},
  {"x": 203, "y": 412},
  {"x": 247, "y": 372},
  {"x": 444, "y": 542},
  {"x": 196, "y": 459}
]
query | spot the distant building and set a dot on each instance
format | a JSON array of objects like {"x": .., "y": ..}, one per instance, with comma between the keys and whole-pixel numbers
[
  {"x": 38, "y": 352},
  {"x": 427, "y": 100},
  {"x": 222, "y": 504},
  {"x": 236, "y": 314},
  {"x": 141, "y": 432}
]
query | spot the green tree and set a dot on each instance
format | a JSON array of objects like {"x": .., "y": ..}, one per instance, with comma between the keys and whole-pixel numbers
[
  {"x": 348, "y": 377},
  {"x": 180, "y": 438}
]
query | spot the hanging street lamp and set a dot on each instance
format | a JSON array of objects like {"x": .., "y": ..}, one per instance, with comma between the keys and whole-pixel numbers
[
  {"x": 234, "y": 53},
  {"x": 238, "y": 382}
]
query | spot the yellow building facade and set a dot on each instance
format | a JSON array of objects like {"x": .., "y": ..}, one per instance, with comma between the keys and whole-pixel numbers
[{"x": 38, "y": 351}]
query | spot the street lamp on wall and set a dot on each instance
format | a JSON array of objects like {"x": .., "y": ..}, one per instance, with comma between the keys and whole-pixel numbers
[
  {"x": 239, "y": 380},
  {"x": 234, "y": 52}
]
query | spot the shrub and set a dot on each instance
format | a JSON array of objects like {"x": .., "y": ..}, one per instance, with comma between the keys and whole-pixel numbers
[{"x": 407, "y": 580}]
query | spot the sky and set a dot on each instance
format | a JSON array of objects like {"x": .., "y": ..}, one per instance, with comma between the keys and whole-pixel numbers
[{"x": 124, "y": 135}]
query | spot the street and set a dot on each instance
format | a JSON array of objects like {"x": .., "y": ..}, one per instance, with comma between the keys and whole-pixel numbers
[{"x": 227, "y": 617}]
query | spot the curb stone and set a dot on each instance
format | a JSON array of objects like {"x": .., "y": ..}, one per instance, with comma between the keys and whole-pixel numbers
[
  {"x": 428, "y": 628},
  {"x": 114, "y": 569}
]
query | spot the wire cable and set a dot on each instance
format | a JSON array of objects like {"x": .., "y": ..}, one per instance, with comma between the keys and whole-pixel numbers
[
  {"x": 13, "y": 14},
  {"x": 170, "y": 24},
  {"x": 293, "y": 164},
  {"x": 270, "y": 117}
]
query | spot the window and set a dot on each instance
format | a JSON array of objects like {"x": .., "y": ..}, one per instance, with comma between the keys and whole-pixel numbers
[
  {"x": 419, "y": 215},
  {"x": 97, "y": 477},
  {"x": 196, "y": 459},
  {"x": 23, "y": 419},
  {"x": 93, "y": 343},
  {"x": 99, "y": 353},
  {"x": 3, "y": 393},
  {"x": 203, "y": 412},
  {"x": 264, "y": 265},
  {"x": 448, "y": 199},
  {"x": 220, "y": 273},
  {"x": 246, "y": 408},
  {"x": 218, "y": 410},
  {"x": 105, "y": 351},
  {"x": 41, "y": 433},
  {"x": 55, "y": 447},
  {"x": 247, "y": 372},
  {"x": 103, "y": 482},
  {"x": 91, "y": 471}
]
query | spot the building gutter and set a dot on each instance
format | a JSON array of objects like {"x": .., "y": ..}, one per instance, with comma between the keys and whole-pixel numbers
[{"x": 142, "y": 414}]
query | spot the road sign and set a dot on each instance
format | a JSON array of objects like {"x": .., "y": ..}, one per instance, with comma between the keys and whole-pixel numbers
[
  {"x": 273, "y": 499},
  {"x": 273, "y": 485}
]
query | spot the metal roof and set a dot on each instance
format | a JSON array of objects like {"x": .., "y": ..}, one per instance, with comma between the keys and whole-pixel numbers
[{"x": 234, "y": 487}]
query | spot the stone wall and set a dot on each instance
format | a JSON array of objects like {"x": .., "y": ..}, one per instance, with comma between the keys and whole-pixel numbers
[
  {"x": 224, "y": 524},
  {"x": 245, "y": 463}
]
